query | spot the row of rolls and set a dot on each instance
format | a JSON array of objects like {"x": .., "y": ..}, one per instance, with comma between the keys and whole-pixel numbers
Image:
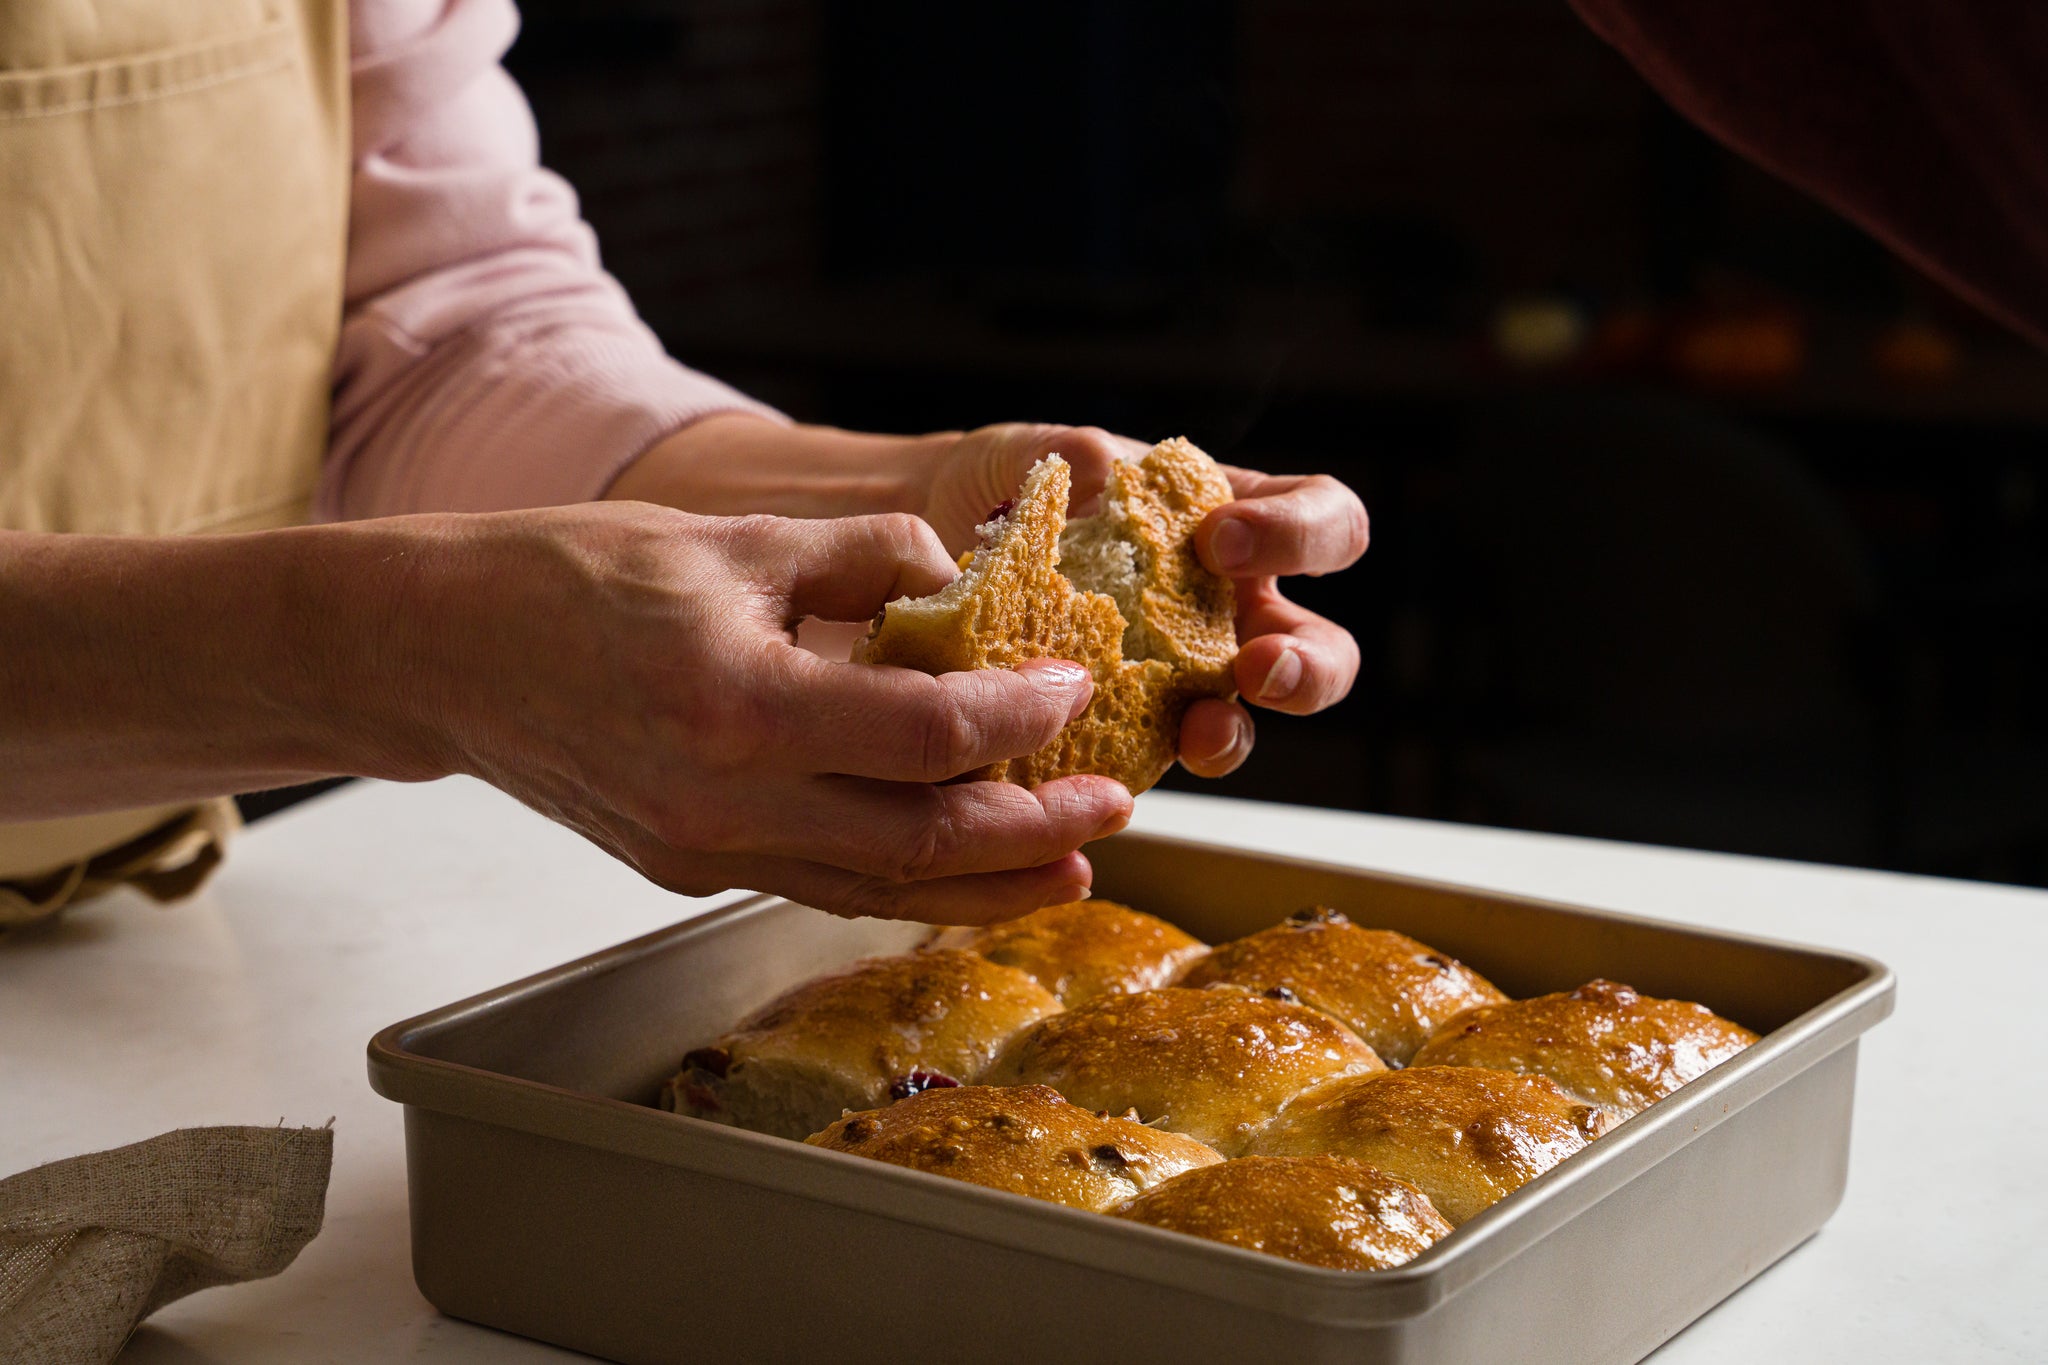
[{"x": 1323, "y": 1091}]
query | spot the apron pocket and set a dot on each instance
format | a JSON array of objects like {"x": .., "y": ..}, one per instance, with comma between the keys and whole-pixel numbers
[{"x": 156, "y": 75}]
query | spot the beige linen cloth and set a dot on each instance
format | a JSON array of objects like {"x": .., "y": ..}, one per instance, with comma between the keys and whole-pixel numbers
[{"x": 91, "y": 1246}]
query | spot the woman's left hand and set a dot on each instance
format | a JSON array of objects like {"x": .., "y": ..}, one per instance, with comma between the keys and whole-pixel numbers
[{"x": 1289, "y": 659}]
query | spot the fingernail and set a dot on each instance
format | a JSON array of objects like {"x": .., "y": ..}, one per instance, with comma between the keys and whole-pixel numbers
[
  {"x": 1058, "y": 675},
  {"x": 1068, "y": 894},
  {"x": 1230, "y": 544},
  {"x": 1283, "y": 677},
  {"x": 1229, "y": 746},
  {"x": 1110, "y": 826}
]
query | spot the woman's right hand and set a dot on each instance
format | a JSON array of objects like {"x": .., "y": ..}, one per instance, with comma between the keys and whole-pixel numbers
[{"x": 632, "y": 672}]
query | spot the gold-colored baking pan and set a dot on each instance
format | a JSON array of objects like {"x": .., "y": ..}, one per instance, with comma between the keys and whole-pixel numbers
[{"x": 549, "y": 1199}]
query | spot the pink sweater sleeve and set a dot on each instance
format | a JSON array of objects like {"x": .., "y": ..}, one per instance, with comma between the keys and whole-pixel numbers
[{"x": 486, "y": 361}]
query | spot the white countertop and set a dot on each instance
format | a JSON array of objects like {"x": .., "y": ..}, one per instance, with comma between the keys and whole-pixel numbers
[{"x": 253, "y": 1003}]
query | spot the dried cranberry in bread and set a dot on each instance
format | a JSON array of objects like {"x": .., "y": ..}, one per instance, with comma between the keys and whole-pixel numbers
[
  {"x": 1603, "y": 1043},
  {"x": 1324, "y": 1210},
  {"x": 1120, "y": 592},
  {"x": 881, "y": 1029},
  {"x": 1213, "y": 1064},
  {"x": 1463, "y": 1136},
  {"x": 1027, "y": 1140},
  {"x": 1393, "y": 991},
  {"x": 1084, "y": 948}
]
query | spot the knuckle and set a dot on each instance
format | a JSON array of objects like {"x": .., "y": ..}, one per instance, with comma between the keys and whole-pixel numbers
[
  {"x": 751, "y": 526},
  {"x": 904, "y": 529},
  {"x": 921, "y": 853},
  {"x": 947, "y": 746},
  {"x": 865, "y": 898}
]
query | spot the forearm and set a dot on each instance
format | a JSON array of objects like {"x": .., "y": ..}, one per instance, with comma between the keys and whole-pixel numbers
[
  {"x": 733, "y": 464},
  {"x": 139, "y": 670}
]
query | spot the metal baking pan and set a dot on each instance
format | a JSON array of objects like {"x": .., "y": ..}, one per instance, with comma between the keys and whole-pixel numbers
[{"x": 549, "y": 1199}]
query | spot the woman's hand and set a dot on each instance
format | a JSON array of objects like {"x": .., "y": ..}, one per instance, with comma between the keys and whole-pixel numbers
[
  {"x": 1288, "y": 659},
  {"x": 628, "y": 670},
  {"x": 632, "y": 672}
]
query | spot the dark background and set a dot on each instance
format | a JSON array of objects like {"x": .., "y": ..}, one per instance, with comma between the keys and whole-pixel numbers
[{"x": 1697, "y": 519}]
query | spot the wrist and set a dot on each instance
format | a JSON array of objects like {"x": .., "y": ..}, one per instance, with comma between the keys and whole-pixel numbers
[
  {"x": 736, "y": 464},
  {"x": 384, "y": 680},
  {"x": 324, "y": 634}
]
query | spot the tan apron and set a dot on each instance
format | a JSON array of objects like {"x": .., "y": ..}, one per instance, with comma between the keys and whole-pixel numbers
[{"x": 173, "y": 221}]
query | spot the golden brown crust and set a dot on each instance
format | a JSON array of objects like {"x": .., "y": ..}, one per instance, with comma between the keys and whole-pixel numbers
[
  {"x": 841, "y": 1041},
  {"x": 1393, "y": 991},
  {"x": 1213, "y": 1064},
  {"x": 1324, "y": 1210},
  {"x": 1603, "y": 1043},
  {"x": 1027, "y": 1140},
  {"x": 1084, "y": 949},
  {"x": 1015, "y": 605},
  {"x": 1187, "y": 615},
  {"x": 1466, "y": 1137}
]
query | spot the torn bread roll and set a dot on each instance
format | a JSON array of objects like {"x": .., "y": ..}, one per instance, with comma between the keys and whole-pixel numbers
[{"x": 1120, "y": 593}]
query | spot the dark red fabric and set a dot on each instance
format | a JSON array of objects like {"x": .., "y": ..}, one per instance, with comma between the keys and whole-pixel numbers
[{"x": 1926, "y": 121}]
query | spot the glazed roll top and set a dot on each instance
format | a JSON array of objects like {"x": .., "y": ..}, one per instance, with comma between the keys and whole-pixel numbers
[
  {"x": 881, "y": 1029},
  {"x": 1324, "y": 1210},
  {"x": 1214, "y": 1064},
  {"x": 1602, "y": 1043},
  {"x": 1393, "y": 991},
  {"x": 1084, "y": 949},
  {"x": 1465, "y": 1137},
  {"x": 1027, "y": 1140}
]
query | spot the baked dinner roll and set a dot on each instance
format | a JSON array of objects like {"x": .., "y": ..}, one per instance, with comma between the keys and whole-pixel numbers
[
  {"x": 1084, "y": 949},
  {"x": 1393, "y": 991},
  {"x": 1213, "y": 1064},
  {"x": 883, "y": 1028},
  {"x": 1121, "y": 592},
  {"x": 1026, "y": 1140},
  {"x": 1325, "y": 1210},
  {"x": 1463, "y": 1136},
  {"x": 1602, "y": 1043}
]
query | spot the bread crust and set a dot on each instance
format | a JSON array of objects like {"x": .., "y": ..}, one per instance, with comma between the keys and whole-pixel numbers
[
  {"x": 1027, "y": 1140},
  {"x": 1603, "y": 1043},
  {"x": 1186, "y": 615},
  {"x": 844, "y": 1040},
  {"x": 1214, "y": 1064},
  {"x": 1464, "y": 1136},
  {"x": 1084, "y": 949},
  {"x": 1012, "y": 604},
  {"x": 1322, "y": 1210},
  {"x": 1393, "y": 991}
]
